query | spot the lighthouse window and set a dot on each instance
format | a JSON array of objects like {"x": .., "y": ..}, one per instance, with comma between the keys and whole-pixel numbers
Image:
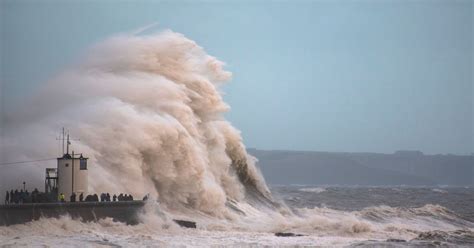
[
  {"x": 67, "y": 165},
  {"x": 83, "y": 164}
]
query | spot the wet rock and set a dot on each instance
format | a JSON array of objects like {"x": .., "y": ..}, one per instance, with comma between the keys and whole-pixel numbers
[
  {"x": 186, "y": 223},
  {"x": 287, "y": 234},
  {"x": 396, "y": 240}
]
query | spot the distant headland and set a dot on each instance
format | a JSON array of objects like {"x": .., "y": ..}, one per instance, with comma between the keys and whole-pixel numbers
[{"x": 411, "y": 168}]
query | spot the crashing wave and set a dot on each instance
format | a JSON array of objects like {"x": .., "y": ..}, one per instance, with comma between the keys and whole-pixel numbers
[{"x": 149, "y": 113}]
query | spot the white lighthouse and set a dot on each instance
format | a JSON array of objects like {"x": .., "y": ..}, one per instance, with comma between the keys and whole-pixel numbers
[{"x": 72, "y": 174}]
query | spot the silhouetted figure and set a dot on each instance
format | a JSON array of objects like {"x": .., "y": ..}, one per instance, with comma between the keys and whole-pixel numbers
[
  {"x": 15, "y": 197},
  {"x": 114, "y": 197},
  {"x": 120, "y": 197},
  {"x": 95, "y": 198},
  {"x": 7, "y": 198},
  {"x": 26, "y": 197},
  {"x": 72, "y": 198},
  {"x": 22, "y": 196},
  {"x": 34, "y": 195},
  {"x": 145, "y": 198},
  {"x": 107, "y": 197},
  {"x": 81, "y": 197},
  {"x": 131, "y": 197}
]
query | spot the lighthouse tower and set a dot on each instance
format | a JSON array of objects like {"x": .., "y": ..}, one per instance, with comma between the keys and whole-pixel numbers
[{"x": 72, "y": 174}]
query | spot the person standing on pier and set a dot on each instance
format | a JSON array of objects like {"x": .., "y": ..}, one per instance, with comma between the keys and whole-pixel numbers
[
  {"x": 61, "y": 197},
  {"x": 13, "y": 196},
  {"x": 7, "y": 198}
]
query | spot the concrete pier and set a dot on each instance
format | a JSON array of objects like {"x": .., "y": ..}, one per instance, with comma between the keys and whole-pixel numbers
[{"x": 123, "y": 211}]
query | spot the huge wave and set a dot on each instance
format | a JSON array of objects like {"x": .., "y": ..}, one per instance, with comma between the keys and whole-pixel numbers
[{"x": 149, "y": 112}]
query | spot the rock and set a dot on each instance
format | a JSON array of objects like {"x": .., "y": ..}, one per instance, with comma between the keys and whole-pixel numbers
[
  {"x": 186, "y": 223},
  {"x": 396, "y": 240},
  {"x": 287, "y": 234}
]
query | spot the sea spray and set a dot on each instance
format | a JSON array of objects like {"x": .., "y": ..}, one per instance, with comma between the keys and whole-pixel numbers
[{"x": 149, "y": 114}]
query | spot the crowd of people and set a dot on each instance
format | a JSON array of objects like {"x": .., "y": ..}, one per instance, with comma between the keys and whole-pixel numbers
[
  {"x": 104, "y": 197},
  {"x": 20, "y": 197}
]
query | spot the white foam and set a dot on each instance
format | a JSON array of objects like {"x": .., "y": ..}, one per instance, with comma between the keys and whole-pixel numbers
[
  {"x": 320, "y": 227},
  {"x": 313, "y": 190}
]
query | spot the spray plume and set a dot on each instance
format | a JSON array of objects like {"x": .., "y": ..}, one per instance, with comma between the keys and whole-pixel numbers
[{"x": 149, "y": 114}]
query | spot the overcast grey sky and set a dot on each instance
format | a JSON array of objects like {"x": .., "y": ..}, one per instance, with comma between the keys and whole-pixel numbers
[{"x": 374, "y": 76}]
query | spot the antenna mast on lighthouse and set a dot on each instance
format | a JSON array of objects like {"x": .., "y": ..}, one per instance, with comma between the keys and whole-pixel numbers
[
  {"x": 68, "y": 143},
  {"x": 65, "y": 138}
]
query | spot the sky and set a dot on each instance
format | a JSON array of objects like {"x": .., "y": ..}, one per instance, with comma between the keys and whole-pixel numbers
[{"x": 346, "y": 76}]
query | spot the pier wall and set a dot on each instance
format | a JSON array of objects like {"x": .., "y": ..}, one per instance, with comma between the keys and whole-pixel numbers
[{"x": 126, "y": 211}]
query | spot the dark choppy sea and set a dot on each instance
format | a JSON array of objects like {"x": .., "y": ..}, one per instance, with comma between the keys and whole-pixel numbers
[{"x": 449, "y": 210}]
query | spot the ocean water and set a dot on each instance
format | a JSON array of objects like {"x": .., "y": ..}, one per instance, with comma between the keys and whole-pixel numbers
[
  {"x": 325, "y": 217},
  {"x": 459, "y": 200},
  {"x": 435, "y": 216}
]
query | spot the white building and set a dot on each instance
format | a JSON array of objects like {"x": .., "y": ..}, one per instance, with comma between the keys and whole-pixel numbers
[{"x": 72, "y": 175}]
